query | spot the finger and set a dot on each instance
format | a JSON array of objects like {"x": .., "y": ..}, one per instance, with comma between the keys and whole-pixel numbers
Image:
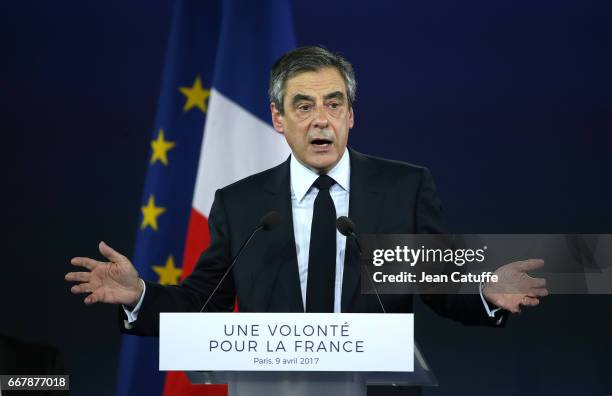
[
  {"x": 537, "y": 282},
  {"x": 81, "y": 288},
  {"x": 530, "y": 265},
  {"x": 530, "y": 301},
  {"x": 515, "y": 309},
  {"x": 510, "y": 304},
  {"x": 90, "y": 300},
  {"x": 85, "y": 262},
  {"x": 94, "y": 297},
  {"x": 78, "y": 276},
  {"x": 538, "y": 292},
  {"x": 110, "y": 253}
]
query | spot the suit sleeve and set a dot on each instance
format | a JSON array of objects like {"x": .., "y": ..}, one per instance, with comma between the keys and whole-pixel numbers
[
  {"x": 192, "y": 293},
  {"x": 465, "y": 308}
]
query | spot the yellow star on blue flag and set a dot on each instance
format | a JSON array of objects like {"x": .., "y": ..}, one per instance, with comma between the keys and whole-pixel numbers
[
  {"x": 150, "y": 213},
  {"x": 168, "y": 274},
  {"x": 160, "y": 147},
  {"x": 196, "y": 96}
]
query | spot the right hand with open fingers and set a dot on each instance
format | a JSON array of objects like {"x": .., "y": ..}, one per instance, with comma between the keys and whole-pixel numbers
[{"x": 115, "y": 281}]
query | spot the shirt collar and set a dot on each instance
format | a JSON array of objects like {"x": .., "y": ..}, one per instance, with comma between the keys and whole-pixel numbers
[{"x": 302, "y": 177}]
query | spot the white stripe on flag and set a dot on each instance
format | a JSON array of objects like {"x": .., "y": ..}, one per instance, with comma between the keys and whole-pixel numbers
[{"x": 236, "y": 144}]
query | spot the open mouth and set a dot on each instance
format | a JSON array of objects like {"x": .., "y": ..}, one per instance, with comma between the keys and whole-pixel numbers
[{"x": 321, "y": 142}]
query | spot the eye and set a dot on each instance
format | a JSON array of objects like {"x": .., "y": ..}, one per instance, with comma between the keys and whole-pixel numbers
[
  {"x": 333, "y": 105},
  {"x": 304, "y": 107}
]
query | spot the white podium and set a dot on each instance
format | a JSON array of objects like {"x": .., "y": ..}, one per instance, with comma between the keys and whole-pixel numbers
[{"x": 294, "y": 353}]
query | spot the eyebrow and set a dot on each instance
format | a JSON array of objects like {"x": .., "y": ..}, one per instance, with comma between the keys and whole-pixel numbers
[
  {"x": 334, "y": 95},
  {"x": 301, "y": 97}
]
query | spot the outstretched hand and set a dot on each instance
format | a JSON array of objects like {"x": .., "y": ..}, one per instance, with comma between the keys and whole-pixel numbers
[
  {"x": 515, "y": 288},
  {"x": 113, "y": 282}
]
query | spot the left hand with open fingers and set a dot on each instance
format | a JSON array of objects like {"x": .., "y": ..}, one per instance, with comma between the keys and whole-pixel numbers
[{"x": 515, "y": 287}]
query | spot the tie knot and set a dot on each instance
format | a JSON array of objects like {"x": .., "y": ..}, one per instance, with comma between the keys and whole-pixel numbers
[{"x": 324, "y": 182}]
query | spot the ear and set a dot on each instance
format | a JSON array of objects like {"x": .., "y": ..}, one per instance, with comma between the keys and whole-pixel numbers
[
  {"x": 351, "y": 118},
  {"x": 277, "y": 119}
]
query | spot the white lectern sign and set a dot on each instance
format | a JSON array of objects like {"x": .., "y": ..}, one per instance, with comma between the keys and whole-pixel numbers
[{"x": 286, "y": 342}]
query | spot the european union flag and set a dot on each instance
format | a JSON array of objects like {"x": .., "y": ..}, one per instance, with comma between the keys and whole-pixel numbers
[
  {"x": 172, "y": 168},
  {"x": 212, "y": 128}
]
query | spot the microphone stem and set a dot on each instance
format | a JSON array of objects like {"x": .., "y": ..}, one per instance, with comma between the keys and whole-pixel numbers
[
  {"x": 354, "y": 237},
  {"x": 230, "y": 267},
  {"x": 375, "y": 290}
]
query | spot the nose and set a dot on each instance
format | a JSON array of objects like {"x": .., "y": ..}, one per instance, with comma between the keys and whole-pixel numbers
[{"x": 320, "y": 120}]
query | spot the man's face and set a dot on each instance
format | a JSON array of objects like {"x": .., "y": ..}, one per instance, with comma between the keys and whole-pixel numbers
[{"x": 317, "y": 118}]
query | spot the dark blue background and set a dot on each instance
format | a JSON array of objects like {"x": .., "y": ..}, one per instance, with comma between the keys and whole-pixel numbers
[{"x": 508, "y": 103}]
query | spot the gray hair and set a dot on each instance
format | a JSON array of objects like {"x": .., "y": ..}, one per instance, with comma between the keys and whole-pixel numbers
[{"x": 305, "y": 59}]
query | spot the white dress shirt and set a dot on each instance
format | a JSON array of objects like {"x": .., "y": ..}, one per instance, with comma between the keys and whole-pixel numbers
[{"x": 303, "y": 195}]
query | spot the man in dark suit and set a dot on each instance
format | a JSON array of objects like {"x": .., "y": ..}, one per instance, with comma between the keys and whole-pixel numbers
[{"x": 303, "y": 264}]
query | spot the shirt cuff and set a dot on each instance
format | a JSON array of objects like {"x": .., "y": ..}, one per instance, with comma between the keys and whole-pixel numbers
[
  {"x": 132, "y": 315},
  {"x": 490, "y": 312}
]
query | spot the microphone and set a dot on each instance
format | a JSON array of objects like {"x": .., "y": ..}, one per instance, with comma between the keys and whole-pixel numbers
[
  {"x": 266, "y": 223},
  {"x": 270, "y": 220},
  {"x": 346, "y": 227}
]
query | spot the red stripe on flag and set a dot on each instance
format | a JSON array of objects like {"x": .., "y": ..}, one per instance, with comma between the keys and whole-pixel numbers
[
  {"x": 198, "y": 239},
  {"x": 177, "y": 384}
]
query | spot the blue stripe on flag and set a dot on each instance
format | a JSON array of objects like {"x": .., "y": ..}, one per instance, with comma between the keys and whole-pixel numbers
[
  {"x": 253, "y": 35},
  {"x": 191, "y": 52}
]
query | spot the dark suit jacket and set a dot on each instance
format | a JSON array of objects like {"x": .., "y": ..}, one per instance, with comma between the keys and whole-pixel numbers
[{"x": 386, "y": 197}]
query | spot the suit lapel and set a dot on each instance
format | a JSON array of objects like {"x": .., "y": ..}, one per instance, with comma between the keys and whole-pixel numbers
[
  {"x": 287, "y": 275},
  {"x": 364, "y": 205}
]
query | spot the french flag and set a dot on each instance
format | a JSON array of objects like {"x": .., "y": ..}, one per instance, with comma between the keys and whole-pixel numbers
[{"x": 214, "y": 114}]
